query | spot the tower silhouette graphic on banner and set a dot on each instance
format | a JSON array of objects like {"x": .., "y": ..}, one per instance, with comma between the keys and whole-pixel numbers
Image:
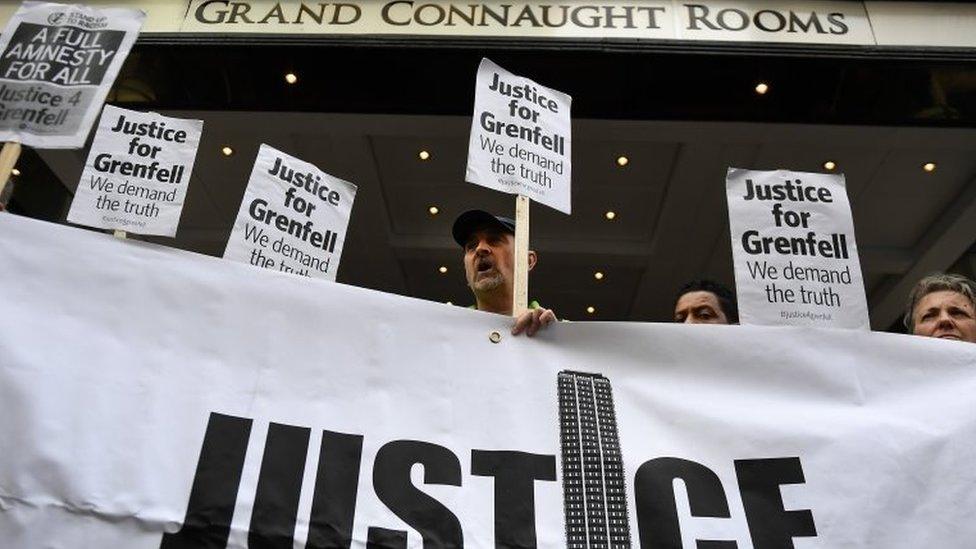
[{"x": 594, "y": 492}]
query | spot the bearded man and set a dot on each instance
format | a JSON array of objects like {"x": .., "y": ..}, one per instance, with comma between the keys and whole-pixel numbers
[{"x": 488, "y": 242}]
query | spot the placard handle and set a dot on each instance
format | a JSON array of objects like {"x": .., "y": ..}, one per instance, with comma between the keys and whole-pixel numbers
[
  {"x": 8, "y": 159},
  {"x": 520, "y": 295}
]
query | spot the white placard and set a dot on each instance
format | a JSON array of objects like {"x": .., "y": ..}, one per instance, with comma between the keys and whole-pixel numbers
[
  {"x": 191, "y": 402},
  {"x": 293, "y": 217},
  {"x": 58, "y": 63},
  {"x": 794, "y": 251},
  {"x": 520, "y": 138},
  {"x": 137, "y": 172}
]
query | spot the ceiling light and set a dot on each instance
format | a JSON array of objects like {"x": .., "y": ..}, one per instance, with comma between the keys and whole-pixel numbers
[
  {"x": 15, "y": 171},
  {"x": 598, "y": 275},
  {"x": 929, "y": 167},
  {"x": 829, "y": 165},
  {"x": 591, "y": 309},
  {"x": 291, "y": 78},
  {"x": 434, "y": 210},
  {"x": 611, "y": 215},
  {"x": 762, "y": 88},
  {"x": 227, "y": 150},
  {"x": 424, "y": 155},
  {"x": 622, "y": 161},
  {"x": 442, "y": 269}
]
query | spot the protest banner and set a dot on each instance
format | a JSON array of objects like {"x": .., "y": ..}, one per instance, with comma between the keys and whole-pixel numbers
[
  {"x": 237, "y": 408},
  {"x": 137, "y": 173},
  {"x": 58, "y": 63},
  {"x": 293, "y": 217},
  {"x": 520, "y": 143},
  {"x": 794, "y": 251}
]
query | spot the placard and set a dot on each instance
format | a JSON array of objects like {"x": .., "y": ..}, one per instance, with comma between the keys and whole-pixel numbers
[
  {"x": 58, "y": 63},
  {"x": 520, "y": 138},
  {"x": 137, "y": 172},
  {"x": 293, "y": 217},
  {"x": 794, "y": 251}
]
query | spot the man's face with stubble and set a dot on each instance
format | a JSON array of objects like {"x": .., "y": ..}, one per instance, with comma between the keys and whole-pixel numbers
[{"x": 489, "y": 259}]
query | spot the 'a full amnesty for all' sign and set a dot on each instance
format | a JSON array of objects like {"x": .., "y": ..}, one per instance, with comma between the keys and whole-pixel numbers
[
  {"x": 293, "y": 217},
  {"x": 137, "y": 172},
  {"x": 57, "y": 64},
  {"x": 520, "y": 138},
  {"x": 793, "y": 247}
]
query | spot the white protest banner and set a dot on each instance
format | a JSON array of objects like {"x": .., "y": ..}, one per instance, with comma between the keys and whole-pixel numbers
[
  {"x": 137, "y": 172},
  {"x": 58, "y": 63},
  {"x": 520, "y": 138},
  {"x": 293, "y": 217},
  {"x": 237, "y": 408},
  {"x": 793, "y": 249}
]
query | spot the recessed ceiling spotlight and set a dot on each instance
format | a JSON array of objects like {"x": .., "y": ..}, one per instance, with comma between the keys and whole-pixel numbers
[
  {"x": 830, "y": 165},
  {"x": 291, "y": 78},
  {"x": 622, "y": 161},
  {"x": 433, "y": 210},
  {"x": 762, "y": 88},
  {"x": 611, "y": 215},
  {"x": 423, "y": 155},
  {"x": 598, "y": 275},
  {"x": 929, "y": 167},
  {"x": 591, "y": 309},
  {"x": 15, "y": 171},
  {"x": 442, "y": 269},
  {"x": 227, "y": 150}
]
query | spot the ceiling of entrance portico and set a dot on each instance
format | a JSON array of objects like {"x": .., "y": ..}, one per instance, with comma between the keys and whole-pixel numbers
[{"x": 671, "y": 223}]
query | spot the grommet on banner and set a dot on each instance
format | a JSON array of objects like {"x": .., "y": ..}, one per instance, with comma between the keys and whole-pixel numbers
[{"x": 494, "y": 337}]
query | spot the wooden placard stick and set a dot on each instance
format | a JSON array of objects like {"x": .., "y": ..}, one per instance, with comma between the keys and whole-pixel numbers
[
  {"x": 520, "y": 295},
  {"x": 8, "y": 159}
]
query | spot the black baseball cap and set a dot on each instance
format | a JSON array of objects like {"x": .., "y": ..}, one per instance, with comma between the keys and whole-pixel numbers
[{"x": 471, "y": 220}]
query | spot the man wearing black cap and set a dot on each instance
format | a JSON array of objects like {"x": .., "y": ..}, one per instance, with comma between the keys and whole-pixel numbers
[{"x": 489, "y": 266}]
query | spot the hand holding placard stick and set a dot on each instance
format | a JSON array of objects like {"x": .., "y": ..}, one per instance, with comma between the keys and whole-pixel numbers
[{"x": 520, "y": 144}]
